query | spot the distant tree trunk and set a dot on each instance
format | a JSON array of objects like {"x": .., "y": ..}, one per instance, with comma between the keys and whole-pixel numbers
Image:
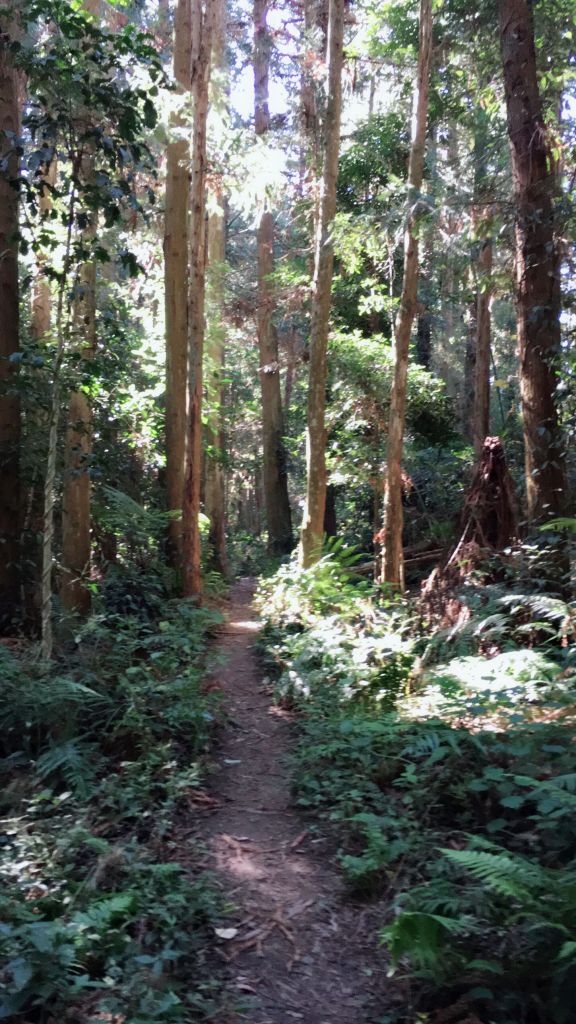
[
  {"x": 291, "y": 350},
  {"x": 477, "y": 368},
  {"x": 315, "y": 39},
  {"x": 537, "y": 264},
  {"x": 467, "y": 407},
  {"x": 176, "y": 226},
  {"x": 62, "y": 330},
  {"x": 423, "y": 348},
  {"x": 9, "y": 333},
  {"x": 424, "y": 337},
  {"x": 41, "y": 293},
  {"x": 277, "y": 502},
  {"x": 40, "y": 324},
  {"x": 76, "y": 492},
  {"x": 313, "y": 521},
  {"x": 330, "y": 519},
  {"x": 202, "y": 29},
  {"x": 481, "y": 411},
  {"x": 392, "y": 555},
  {"x": 74, "y": 592},
  {"x": 215, "y": 486}
]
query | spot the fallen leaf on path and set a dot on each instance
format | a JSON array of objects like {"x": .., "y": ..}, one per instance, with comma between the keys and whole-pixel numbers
[{"x": 226, "y": 933}]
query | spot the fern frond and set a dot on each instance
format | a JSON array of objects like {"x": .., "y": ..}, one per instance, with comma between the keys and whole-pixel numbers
[
  {"x": 503, "y": 873},
  {"x": 70, "y": 761},
  {"x": 421, "y": 937},
  {"x": 550, "y": 608}
]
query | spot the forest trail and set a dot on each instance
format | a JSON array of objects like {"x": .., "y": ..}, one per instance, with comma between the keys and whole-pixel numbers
[{"x": 301, "y": 951}]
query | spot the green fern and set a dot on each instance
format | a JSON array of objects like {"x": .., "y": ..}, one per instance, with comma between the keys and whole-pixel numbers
[
  {"x": 422, "y": 936},
  {"x": 104, "y": 913},
  {"x": 503, "y": 873},
  {"x": 72, "y": 762}
]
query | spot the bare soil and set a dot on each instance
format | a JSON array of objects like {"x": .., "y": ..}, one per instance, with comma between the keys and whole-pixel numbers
[{"x": 296, "y": 948}]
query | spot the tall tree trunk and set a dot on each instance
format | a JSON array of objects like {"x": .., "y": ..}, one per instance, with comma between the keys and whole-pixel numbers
[
  {"x": 76, "y": 543},
  {"x": 481, "y": 319},
  {"x": 315, "y": 39},
  {"x": 62, "y": 331},
  {"x": 9, "y": 334},
  {"x": 392, "y": 555},
  {"x": 537, "y": 263},
  {"x": 424, "y": 336},
  {"x": 76, "y": 492},
  {"x": 481, "y": 410},
  {"x": 423, "y": 348},
  {"x": 313, "y": 521},
  {"x": 277, "y": 502},
  {"x": 469, "y": 390},
  {"x": 176, "y": 229},
  {"x": 215, "y": 486},
  {"x": 202, "y": 28},
  {"x": 41, "y": 292}
]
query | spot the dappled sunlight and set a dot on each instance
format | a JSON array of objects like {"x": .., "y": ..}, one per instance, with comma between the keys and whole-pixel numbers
[{"x": 243, "y": 626}]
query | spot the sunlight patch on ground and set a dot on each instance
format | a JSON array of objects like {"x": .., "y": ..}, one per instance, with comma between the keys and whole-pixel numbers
[{"x": 246, "y": 625}]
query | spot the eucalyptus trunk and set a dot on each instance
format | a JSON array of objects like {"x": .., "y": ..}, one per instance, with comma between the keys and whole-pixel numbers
[
  {"x": 480, "y": 335},
  {"x": 76, "y": 491},
  {"x": 202, "y": 31},
  {"x": 41, "y": 291},
  {"x": 481, "y": 407},
  {"x": 76, "y": 539},
  {"x": 9, "y": 334},
  {"x": 215, "y": 483},
  {"x": 176, "y": 228},
  {"x": 538, "y": 294},
  {"x": 275, "y": 474},
  {"x": 392, "y": 554},
  {"x": 313, "y": 521}
]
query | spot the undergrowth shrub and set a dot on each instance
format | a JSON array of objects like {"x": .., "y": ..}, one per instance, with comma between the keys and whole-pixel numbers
[
  {"x": 447, "y": 778},
  {"x": 99, "y": 761}
]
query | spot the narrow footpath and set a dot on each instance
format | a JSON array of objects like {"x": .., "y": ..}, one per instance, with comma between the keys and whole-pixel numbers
[{"x": 296, "y": 949}]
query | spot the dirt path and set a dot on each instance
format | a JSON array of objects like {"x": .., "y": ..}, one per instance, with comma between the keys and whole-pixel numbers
[{"x": 300, "y": 952}]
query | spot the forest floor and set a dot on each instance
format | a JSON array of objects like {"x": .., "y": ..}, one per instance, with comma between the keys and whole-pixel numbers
[{"x": 296, "y": 948}]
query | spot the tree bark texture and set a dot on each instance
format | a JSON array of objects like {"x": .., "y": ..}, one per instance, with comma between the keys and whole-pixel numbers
[
  {"x": 315, "y": 40},
  {"x": 537, "y": 263},
  {"x": 467, "y": 406},
  {"x": 424, "y": 337},
  {"x": 9, "y": 334},
  {"x": 176, "y": 228},
  {"x": 76, "y": 540},
  {"x": 481, "y": 409},
  {"x": 41, "y": 292},
  {"x": 392, "y": 554},
  {"x": 482, "y": 271},
  {"x": 275, "y": 473},
  {"x": 313, "y": 521},
  {"x": 215, "y": 485},
  {"x": 202, "y": 30},
  {"x": 77, "y": 485}
]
